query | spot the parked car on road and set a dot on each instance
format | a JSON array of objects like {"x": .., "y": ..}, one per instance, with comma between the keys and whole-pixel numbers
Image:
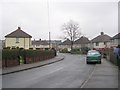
[{"x": 93, "y": 56}]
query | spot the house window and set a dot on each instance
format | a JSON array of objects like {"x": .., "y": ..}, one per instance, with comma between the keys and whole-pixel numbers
[
  {"x": 105, "y": 43},
  {"x": 17, "y": 40},
  {"x": 112, "y": 42},
  {"x": 97, "y": 43},
  {"x": 116, "y": 41}
]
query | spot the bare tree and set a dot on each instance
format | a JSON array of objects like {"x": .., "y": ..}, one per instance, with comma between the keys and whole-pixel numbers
[{"x": 72, "y": 31}]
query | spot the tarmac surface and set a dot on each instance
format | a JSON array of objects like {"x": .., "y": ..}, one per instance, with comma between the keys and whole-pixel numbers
[
  {"x": 23, "y": 67},
  {"x": 70, "y": 72}
]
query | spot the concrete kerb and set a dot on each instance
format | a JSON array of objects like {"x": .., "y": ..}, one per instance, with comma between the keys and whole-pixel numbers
[{"x": 60, "y": 59}]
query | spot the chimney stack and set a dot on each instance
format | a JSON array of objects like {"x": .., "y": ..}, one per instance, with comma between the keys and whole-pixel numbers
[
  {"x": 19, "y": 28},
  {"x": 102, "y": 33}
]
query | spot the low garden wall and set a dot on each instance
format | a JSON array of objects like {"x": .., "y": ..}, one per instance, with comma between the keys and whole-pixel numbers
[
  {"x": 112, "y": 57},
  {"x": 14, "y": 57}
]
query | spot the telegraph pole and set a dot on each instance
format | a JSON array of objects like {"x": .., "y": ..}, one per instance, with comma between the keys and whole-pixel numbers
[
  {"x": 49, "y": 24},
  {"x": 49, "y": 40}
]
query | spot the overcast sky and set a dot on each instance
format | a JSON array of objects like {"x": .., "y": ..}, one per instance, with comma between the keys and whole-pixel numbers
[{"x": 32, "y": 16}]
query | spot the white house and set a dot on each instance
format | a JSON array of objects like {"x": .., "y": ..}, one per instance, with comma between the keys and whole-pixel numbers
[
  {"x": 18, "y": 38},
  {"x": 101, "y": 41},
  {"x": 40, "y": 44},
  {"x": 115, "y": 40},
  {"x": 45, "y": 44}
]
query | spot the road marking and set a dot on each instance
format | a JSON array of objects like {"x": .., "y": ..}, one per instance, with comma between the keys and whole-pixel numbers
[{"x": 85, "y": 82}]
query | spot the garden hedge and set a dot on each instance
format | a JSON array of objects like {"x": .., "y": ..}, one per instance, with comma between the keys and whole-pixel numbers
[
  {"x": 11, "y": 57},
  {"x": 38, "y": 55}
]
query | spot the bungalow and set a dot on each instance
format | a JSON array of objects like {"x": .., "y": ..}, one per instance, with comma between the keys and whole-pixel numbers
[
  {"x": 65, "y": 44},
  {"x": 45, "y": 44},
  {"x": 101, "y": 41},
  {"x": 82, "y": 42},
  {"x": 40, "y": 44},
  {"x": 18, "y": 38},
  {"x": 115, "y": 40},
  {"x": 55, "y": 44}
]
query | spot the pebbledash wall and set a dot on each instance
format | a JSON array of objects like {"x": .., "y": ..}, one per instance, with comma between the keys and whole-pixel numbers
[
  {"x": 23, "y": 43},
  {"x": 102, "y": 45}
]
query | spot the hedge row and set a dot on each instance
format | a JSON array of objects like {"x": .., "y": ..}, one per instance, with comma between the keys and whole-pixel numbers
[
  {"x": 12, "y": 57},
  {"x": 82, "y": 50},
  {"x": 65, "y": 50},
  {"x": 10, "y": 54},
  {"x": 34, "y": 53},
  {"x": 37, "y": 55}
]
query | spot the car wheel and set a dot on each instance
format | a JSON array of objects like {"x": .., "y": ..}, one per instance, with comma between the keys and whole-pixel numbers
[
  {"x": 99, "y": 62},
  {"x": 87, "y": 62}
]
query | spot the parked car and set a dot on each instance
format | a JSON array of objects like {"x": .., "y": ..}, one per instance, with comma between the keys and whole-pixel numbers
[{"x": 93, "y": 56}]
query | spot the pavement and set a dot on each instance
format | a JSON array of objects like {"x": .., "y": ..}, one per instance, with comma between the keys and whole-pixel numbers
[
  {"x": 23, "y": 67},
  {"x": 104, "y": 75}
]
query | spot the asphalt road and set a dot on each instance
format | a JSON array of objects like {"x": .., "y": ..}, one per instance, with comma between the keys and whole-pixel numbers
[{"x": 72, "y": 72}]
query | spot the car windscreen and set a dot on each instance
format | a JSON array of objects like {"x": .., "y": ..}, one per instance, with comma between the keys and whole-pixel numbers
[{"x": 93, "y": 53}]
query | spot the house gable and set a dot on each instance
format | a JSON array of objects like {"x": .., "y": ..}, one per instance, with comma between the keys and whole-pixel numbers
[
  {"x": 19, "y": 39},
  {"x": 66, "y": 42},
  {"x": 101, "y": 38},
  {"x": 18, "y": 33},
  {"x": 82, "y": 40}
]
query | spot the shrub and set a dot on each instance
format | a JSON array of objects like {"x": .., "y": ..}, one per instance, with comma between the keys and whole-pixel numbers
[
  {"x": 46, "y": 48},
  {"x": 38, "y": 48},
  {"x": 65, "y": 50},
  {"x": 6, "y": 48},
  {"x": 75, "y": 51},
  {"x": 14, "y": 48},
  {"x": 30, "y": 48},
  {"x": 34, "y": 53},
  {"x": 12, "y": 57},
  {"x": 84, "y": 50},
  {"x": 10, "y": 54},
  {"x": 17, "y": 47}
]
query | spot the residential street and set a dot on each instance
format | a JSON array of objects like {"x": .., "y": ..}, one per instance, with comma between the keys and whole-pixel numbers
[{"x": 72, "y": 72}]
